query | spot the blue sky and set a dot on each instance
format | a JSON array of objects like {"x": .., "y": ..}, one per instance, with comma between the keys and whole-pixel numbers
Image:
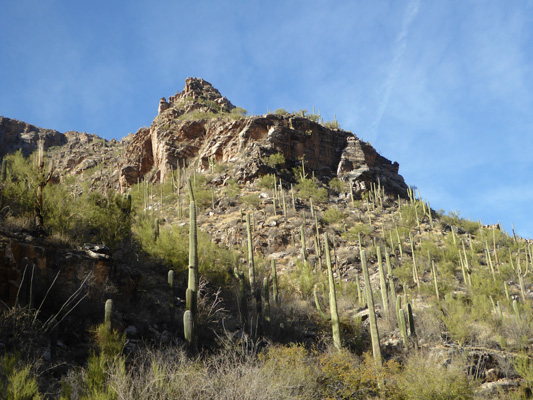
[{"x": 444, "y": 88}]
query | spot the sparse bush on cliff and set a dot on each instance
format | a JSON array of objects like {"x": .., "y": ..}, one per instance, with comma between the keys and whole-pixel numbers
[
  {"x": 275, "y": 160},
  {"x": 307, "y": 188}
]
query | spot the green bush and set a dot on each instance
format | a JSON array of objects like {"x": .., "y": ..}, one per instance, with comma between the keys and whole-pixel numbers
[
  {"x": 281, "y": 111},
  {"x": 337, "y": 185},
  {"x": 17, "y": 382},
  {"x": 359, "y": 228},
  {"x": 172, "y": 246},
  {"x": 427, "y": 378},
  {"x": 275, "y": 159},
  {"x": 332, "y": 124},
  {"x": 266, "y": 181},
  {"x": 307, "y": 188},
  {"x": 332, "y": 215},
  {"x": 252, "y": 200}
]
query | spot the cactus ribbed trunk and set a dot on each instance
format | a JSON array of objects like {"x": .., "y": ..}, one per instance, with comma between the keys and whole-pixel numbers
[
  {"x": 243, "y": 304},
  {"x": 275, "y": 292},
  {"x": 251, "y": 266},
  {"x": 108, "y": 313},
  {"x": 190, "y": 317},
  {"x": 383, "y": 283},
  {"x": 171, "y": 298},
  {"x": 376, "y": 351},
  {"x": 335, "y": 324}
]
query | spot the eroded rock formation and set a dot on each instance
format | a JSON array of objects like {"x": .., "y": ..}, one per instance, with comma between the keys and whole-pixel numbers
[{"x": 177, "y": 137}]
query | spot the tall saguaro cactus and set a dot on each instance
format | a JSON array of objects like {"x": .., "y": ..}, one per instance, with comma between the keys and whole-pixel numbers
[
  {"x": 376, "y": 351},
  {"x": 190, "y": 316},
  {"x": 335, "y": 325},
  {"x": 108, "y": 313},
  {"x": 251, "y": 265}
]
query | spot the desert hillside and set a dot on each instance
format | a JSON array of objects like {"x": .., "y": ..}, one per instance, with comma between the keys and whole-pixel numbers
[{"x": 216, "y": 254}]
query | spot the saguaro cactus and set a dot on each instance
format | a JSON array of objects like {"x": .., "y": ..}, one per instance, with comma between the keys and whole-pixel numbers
[
  {"x": 171, "y": 297},
  {"x": 383, "y": 283},
  {"x": 376, "y": 351},
  {"x": 243, "y": 304},
  {"x": 3, "y": 171},
  {"x": 335, "y": 325},
  {"x": 275, "y": 293},
  {"x": 251, "y": 266},
  {"x": 190, "y": 316},
  {"x": 108, "y": 313}
]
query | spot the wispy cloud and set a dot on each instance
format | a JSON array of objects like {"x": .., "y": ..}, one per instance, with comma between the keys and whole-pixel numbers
[{"x": 399, "y": 50}]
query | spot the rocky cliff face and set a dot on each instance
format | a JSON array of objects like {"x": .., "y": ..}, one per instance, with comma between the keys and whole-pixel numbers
[
  {"x": 199, "y": 126},
  {"x": 15, "y": 135}
]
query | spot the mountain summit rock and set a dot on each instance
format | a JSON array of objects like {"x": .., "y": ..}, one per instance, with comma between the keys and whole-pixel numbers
[{"x": 199, "y": 126}]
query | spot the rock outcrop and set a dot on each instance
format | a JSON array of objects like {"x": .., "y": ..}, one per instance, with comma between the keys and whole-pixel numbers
[
  {"x": 200, "y": 126},
  {"x": 17, "y": 135}
]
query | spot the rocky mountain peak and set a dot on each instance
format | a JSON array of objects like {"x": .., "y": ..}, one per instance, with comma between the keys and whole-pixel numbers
[
  {"x": 200, "y": 127},
  {"x": 198, "y": 95}
]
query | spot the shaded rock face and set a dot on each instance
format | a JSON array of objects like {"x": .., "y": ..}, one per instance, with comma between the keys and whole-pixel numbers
[
  {"x": 172, "y": 141},
  {"x": 15, "y": 135},
  {"x": 29, "y": 268}
]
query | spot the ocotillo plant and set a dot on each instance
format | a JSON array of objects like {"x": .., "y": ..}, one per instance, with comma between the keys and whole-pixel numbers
[
  {"x": 190, "y": 317},
  {"x": 376, "y": 351},
  {"x": 335, "y": 324}
]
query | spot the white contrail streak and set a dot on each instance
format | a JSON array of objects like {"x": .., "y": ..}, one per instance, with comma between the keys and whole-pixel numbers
[{"x": 399, "y": 50}]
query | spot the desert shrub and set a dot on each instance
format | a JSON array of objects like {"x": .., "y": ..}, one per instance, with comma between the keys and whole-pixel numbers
[
  {"x": 332, "y": 124},
  {"x": 430, "y": 247},
  {"x": 359, "y": 228},
  {"x": 337, "y": 185},
  {"x": 307, "y": 188},
  {"x": 17, "y": 382},
  {"x": 281, "y": 111},
  {"x": 19, "y": 189},
  {"x": 454, "y": 219},
  {"x": 457, "y": 317},
  {"x": 332, "y": 215},
  {"x": 266, "y": 181},
  {"x": 426, "y": 377},
  {"x": 91, "y": 217},
  {"x": 232, "y": 189},
  {"x": 239, "y": 111},
  {"x": 524, "y": 367},
  {"x": 344, "y": 376},
  {"x": 172, "y": 246},
  {"x": 306, "y": 277},
  {"x": 203, "y": 196},
  {"x": 409, "y": 214},
  {"x": 21, "y": 331},
  {"x": 103, "y": 366},
  {"x": 290, "y": 367},
  {"x": 275, "y": 159},
  {"x": 252, "y": 200}
]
